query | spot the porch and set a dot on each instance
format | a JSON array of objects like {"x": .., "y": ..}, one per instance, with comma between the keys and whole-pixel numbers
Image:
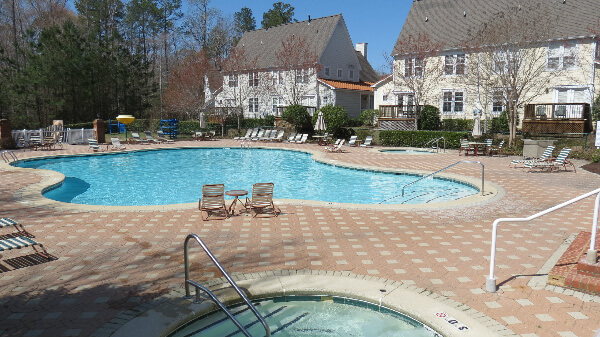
[
  {"x": 557, "y": 118},
  {"x": 398, "y": 117}
]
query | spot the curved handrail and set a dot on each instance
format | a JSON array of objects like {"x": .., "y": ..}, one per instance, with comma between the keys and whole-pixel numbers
[
  {"x": 438, "y": 171},
  {"x": 490, "y": 285},
  {"x": 8, "y": 155},
  {"x": 229, "y": 279}
]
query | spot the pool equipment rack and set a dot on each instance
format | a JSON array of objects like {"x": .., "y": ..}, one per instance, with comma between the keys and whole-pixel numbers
[
  {"x": 438, "y": 171},
  {"x": 170, "y": 127},
  {"x": 7, "y": 156},
  {"x": 199, "y": 287}
]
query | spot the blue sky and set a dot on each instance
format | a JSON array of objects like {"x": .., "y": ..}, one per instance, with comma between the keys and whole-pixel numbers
[{"x": 377, "y": 23}]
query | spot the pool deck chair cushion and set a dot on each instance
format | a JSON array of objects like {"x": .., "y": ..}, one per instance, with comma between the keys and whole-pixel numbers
[
  {"x": 553, "y": 164},
  {"x": 367, "y": 142},
  {"x": 7, "y": 222},
  {"x": 262, "y": 199},
  {"x": 94, "y": 145},
  {"x": 213, "y": 200},
  {"x": 22, "y": 242}
]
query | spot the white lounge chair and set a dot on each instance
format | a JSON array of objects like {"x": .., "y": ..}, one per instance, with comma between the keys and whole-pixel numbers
[
  {"x": 278, "y": 137},
  {"x": 552, "y": 164},
  {"x": 291, "y": 137},
  {"x": 302, "y": 139},
  {"x": 352, "y": 141},
  {"x": 337, "y": 147},
  {"x": 116, "y": 144},
  {"x": 248, "y": 133},
  {"x": 367, "y": 142},
  {"x": 521, "y": 162}
]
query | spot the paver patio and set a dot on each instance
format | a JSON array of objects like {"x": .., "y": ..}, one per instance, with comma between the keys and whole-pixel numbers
[{"x": 110, "y": 261}]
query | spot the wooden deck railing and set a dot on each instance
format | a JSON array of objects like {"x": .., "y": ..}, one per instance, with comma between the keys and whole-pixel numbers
[
  {"x": 398, "y": 111},
  {"x": 557, "y": 111}
]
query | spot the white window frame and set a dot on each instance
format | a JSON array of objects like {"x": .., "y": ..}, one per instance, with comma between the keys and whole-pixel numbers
[
  {"x": 498, "y": 105},
  {"x": 413, "y": 67},
  {"x": 277, "y": 102},
  {"x": 340, "y": 73},
  {"x": 253, "y": 79},
  {"x": 455, "y": 64},
  {"x": 564, "y": 56},
  {"x": 253, "y": 105},
  {"x": 453, "y": 101},
  {"x": 232, "y": 80}
]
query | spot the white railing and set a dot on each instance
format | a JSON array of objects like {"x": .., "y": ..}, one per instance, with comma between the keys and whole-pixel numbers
[
  {"x": 490, "y": 285},
  {"x": 70, "y": 136}
]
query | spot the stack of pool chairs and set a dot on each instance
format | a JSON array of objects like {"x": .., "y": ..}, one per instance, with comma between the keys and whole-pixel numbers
[{"x": 20, "y": 239}]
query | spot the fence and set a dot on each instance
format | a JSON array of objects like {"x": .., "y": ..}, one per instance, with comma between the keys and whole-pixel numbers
[{"x": 69, "y": 136}]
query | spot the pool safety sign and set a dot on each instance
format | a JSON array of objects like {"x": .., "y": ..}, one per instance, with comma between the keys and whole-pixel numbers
[{"x": 452, "y": 321}]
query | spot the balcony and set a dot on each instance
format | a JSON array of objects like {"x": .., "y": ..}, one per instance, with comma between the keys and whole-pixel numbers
[
  {"x": 398, "y": 117},
  {"x": 557, "y": 118}
]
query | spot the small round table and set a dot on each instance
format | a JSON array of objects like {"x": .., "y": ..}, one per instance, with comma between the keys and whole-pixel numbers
[{"x": 236, "y": 194}]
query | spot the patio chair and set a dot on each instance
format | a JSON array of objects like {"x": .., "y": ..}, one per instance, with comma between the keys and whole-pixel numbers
[
  {"x": 297, "y": 138},
  {"x": 8, "y": 222},
  {"x": 94, "y": 145},
  {"x": 248, "y": 133},
  {"x": 367, "y": 142},
  {"x": 161, "y": 137},
  {"x": 337, "y": 147},
  {"x": 116, "y": 144},
  {"x": 198, "y": 135},
  {"x": 352, "y": 141},
  {"x": 35, "y": 141},
  {"x": 278, "y": 137},
  {"x": 465, "y": 148},
  {"x": 302, "y": 139},
  {"x": 495, "y": 149},
  {"x": 213, "y": 200},
  {"x": 258, "y": 136},
  {"x": 22, "y": 242},
  {"x": 138, "y": 139},
  {"x": 262, "y": 199},
  {"x": 291, "y": 137},
  {"x": 553, "y": 164},
  {"x": 150, "y": 138},
  {"x": 521, "y": 162}
]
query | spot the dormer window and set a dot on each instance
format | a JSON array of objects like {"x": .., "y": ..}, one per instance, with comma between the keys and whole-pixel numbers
[{"x": 454, "y": 64}]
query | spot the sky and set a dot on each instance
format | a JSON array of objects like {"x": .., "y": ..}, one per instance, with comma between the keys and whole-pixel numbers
[{"x": 377, "y": 23}]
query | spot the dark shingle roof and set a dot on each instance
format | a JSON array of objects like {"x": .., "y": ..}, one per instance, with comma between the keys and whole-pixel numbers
[
  {"x": 264, "y": 44},
  {"x": 452, "y": 22},
  {"x": 367, "y": 73}
]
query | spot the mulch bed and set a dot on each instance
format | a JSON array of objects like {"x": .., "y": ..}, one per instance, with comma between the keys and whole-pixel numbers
[{"x": 592, "y": 167}]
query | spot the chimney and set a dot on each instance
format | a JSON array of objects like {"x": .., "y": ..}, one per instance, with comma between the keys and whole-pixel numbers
[{"x": 362, "y": 48}]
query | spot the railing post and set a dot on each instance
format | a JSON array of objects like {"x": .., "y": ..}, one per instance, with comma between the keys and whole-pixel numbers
[{"x": 592, "y": 253}]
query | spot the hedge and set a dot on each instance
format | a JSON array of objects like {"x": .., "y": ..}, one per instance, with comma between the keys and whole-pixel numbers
[{"x": 420, "y": 138}]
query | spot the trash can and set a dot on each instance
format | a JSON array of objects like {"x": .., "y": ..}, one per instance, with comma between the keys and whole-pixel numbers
[{"x": 535, "y": 148}]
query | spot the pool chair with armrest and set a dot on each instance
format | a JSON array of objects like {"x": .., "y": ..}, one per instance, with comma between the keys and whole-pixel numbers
[
  {"x": 465, "y": 148},
  {"x": 367, "y": 142},
  {"x": 138, "y": 139},
  {"x": 297, "y": 138},
  {"x": 262, "y": 200},
  {"x": 267, "y": 135},
  {"x": 553, "y": 164},
  {"x": 213, "y": 200},
  {"x": 521, "y": 162},
  {"x": 258, "y": 136},
  {"x": 352, "y": 141},
  {"x": 336, "y": 148},
  {"x": 150, "y": 138},
  {"x": 116, "y": 144},
  {"x": 488, "y": 143},
  {"x": 495, "y": 150},
  {"x": 8, "y": 222},
  {"x": 35, "y": 141}
]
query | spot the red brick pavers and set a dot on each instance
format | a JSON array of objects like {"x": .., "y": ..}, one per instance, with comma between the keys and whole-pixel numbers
[{"x": 108, "y": 262}]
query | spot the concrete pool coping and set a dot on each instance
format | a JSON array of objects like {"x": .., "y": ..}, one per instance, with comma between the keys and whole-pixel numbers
[
  {"x": 162, "y": 315},
  {"x": 32, "y": 194}
]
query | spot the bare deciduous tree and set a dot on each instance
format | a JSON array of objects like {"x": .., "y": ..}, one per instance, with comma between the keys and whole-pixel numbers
[{"x": 298, "y": 64}]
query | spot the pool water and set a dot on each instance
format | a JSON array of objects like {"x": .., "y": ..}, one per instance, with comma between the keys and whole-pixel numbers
[
  {"x": 309, "y": 316},
  {"x": 175, "y": 176}
]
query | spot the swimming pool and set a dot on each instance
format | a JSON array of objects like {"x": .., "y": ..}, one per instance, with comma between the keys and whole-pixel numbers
[
  {"x": 310, "y": 316},
  {"x": 175, "y": 176}
]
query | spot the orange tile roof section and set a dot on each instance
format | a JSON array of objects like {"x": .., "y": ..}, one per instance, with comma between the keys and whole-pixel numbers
[{"x": 363, "y": 86}]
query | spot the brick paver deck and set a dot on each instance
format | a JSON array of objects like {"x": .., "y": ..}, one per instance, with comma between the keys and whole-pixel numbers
[{"x": 107, "y": 262}]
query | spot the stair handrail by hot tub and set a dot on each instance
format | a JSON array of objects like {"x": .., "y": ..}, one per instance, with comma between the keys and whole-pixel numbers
[
  {"x": 438, "y": 171},
  {"x": 189, "y": 282},
  {"x": 490, "y": 284}
]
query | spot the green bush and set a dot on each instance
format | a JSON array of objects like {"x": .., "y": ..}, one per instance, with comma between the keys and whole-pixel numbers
[
  {"x": 596, "y": 156},
  {"x": 500, "y": 124},
  {"x": 353, "y": 123},
  {"x": 298, "y": 116},
  {"x": 596, "y": 109},
  {"x": 457, "y": 125},
  {"x": 367, "y": 117},
  {"x": 335, "y": 118},
  {"x": 420, "y": 138},
  {"x": 430, "y": 118}
]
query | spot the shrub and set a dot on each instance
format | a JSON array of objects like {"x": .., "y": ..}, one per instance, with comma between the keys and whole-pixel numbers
[
  {"x": 596, "y": 156},
  {"x": 367, "y": 117},
  {"x": 430, "y": 118},
  {"x": 343, "y": 133},
  {"x": 353, "y": 123},
  {"x": 298, "y": 116},
  {"x": 596, "y": 109},
  {"x": 500, "y": 124},
  {"x": 335, "y": 118},
  {"x": 420, "y": 138},
  {"x": 457, "y": 125}
]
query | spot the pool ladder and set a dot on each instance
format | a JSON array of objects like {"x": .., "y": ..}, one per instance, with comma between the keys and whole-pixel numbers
[
  {"x": 438, "y": 171},
  {"x": 434, "y": 143},
  {"x": 8, "y": 156},
  {"x": 215, "y": 300}
]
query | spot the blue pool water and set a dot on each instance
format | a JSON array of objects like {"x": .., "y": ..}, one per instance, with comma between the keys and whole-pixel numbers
[
  {"x": 175, "y": 176},
  {"x": 309, "y": 316}
]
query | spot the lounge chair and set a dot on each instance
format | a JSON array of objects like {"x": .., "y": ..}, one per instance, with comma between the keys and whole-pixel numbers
[
  {"x": 262, "y": 199},
  {"x": 302, "y": 139},
  {"x": 116, "y": 144},
  {"x": 521, "y": 162},
  {"x": 291, "y": 137},
  {"x": 138, "y": 139},
  {"x": 22, "y": 242},
  {"x": 35, "y": 141},
  {"x": 8, "y": 222},
  {"x": 367, "y": 142},
  {"x": 150, "y": 138},
  {"x": 94, "y": 145},
  {"x": 213, "y": 200},
  {"x": 352, "y": 141},
  {"x": 278, "y": 137},
  {"x": 297, "y": 138},
  {"x": 552, "y": 164},
  {"x": 267, "y": 135},
  {"x": 248, "y": 133},
  {"x": 162, "y": 138},
  {"x": 336, "y": 148},
  {"x": 258, "y": 136}
]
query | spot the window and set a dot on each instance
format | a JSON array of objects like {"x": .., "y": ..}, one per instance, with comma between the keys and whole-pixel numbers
[
  {"x": 453, "y": 102},
  {"x": 326, "y": 71},
  {"x": 340, "y": 73},
  {"x": 308, "y": 101},
  {"x": 497, "y": 102},
  {"x": 351, "y": 74},
  {"x": 325, "y": 100},
  {"x": 500, "y": 62},
  {"x": 562, "y": 56},
  {"x": 277, "y": 76},
  {"x": 302, "y": 76},
  {"x": 454, "y": 64},
  {"x": 253, "y": 79},
  {"x": 253, "y": 104},
  {"x": 413, "y": 67},
  {"x": 277, "y": 101},
  {"x": 233, "y": 81},
  {"x": 406, "y": 103},
  {"x": 385, "y": 97}
]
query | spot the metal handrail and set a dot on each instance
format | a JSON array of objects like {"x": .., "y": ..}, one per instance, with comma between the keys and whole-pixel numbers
[
  {"x": 438, "y": 171},
  {"x": 8, "y": 155},
  {"x": 229, "y": 279},
  {"x": 490, "y": 284},
  {"x": 436, "y": 140}
]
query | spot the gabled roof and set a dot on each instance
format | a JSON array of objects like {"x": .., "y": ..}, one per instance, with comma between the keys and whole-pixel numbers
[
  {"x": 383, "y": 80},
  {"x": 362, "y": 86},
  {"x": 264, "y": 44},
  {"x": 367, "y": 73},
  {"x": 452, "y": 22}
]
